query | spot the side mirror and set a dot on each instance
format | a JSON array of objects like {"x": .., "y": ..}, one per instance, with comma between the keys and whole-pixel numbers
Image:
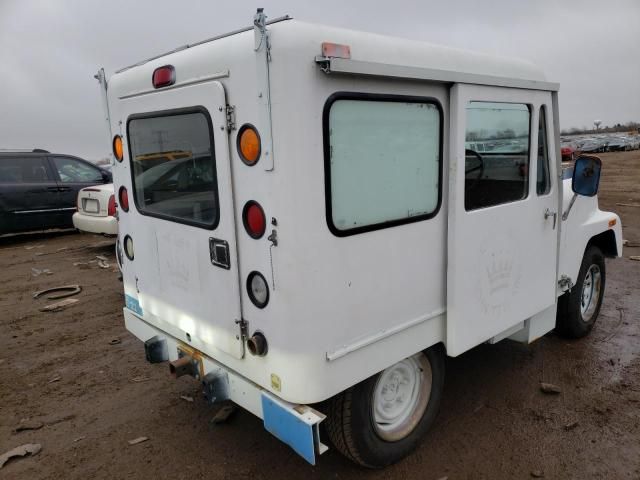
[
  {"x": 586, "y": 176},
  {"x": 106, "y": 176}
]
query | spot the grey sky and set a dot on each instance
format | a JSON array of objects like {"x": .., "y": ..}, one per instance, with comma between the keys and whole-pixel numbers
[{"x": 50, "y": 49}]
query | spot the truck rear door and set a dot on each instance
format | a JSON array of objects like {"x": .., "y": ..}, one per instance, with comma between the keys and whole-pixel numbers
[
  {"x": 176, "y": 168},
  {"x": 503, "y": 212}
]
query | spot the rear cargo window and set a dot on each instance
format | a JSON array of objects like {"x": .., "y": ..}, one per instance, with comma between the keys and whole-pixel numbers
[
  {"x": 173, "y": 167},
  {"x": 382, "y": 161}
]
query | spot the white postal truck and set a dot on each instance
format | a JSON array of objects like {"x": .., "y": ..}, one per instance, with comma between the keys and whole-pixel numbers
[{"x": 305, "y": 228}]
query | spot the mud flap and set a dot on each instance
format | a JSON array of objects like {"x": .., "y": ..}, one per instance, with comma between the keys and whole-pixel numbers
[{"x": 295, "y": 425}]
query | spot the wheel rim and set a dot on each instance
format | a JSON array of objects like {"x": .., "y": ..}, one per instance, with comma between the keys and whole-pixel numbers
[
  {"x": 590, "y": 293},
  {"x": 400, "y": 397}
]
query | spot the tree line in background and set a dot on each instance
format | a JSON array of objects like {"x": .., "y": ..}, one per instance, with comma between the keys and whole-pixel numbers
[{"x": 618, "y": 127}]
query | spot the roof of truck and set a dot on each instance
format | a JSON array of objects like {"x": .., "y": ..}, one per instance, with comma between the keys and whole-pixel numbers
[{"x": 369, "y": 48}]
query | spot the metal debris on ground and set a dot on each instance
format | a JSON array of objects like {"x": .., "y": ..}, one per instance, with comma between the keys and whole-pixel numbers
[
  {"x": 102, "y": 257},
  {"x": 57, "y": 378},
  {"x": 138, "y": 440},
  {"x": 115, "y": 341},
  {"x": 628, "y": 204},
  {"x": 537, "y": 474},
  {"x": 571, "y": 426},
  {"x": 75, "y": 440},
  {"x": 635, "y": 257},
  {"x": 550, "y": 388},
  {"x": 21, "y": 451},
  {"x": 67, "y": 291},
  {"x": 28, "y": 425},
  {"x": 139, "y": 379},
  {"x": 223, "y": 414},
  {"x": 103, "y": 264},
  {"x": 36, "y": 272},
  {"x": 82, "y": 265},
  {"x": 61, "y": 305},
  {"x": 186, "y": 398}
]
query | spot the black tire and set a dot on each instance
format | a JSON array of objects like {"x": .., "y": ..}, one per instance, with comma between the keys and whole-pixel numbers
[
  {"x": 570, "y": 320},
  {"x": 350, "y": 423}
]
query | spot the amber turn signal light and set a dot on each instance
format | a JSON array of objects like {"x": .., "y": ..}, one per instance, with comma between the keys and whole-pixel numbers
[
  {"x": 248, "y": 143},
  {"x": 117, "y": 147}
]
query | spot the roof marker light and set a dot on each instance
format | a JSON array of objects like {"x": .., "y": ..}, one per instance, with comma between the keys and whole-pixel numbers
[
  {"x": 164, "y": 76},
  {"x": 336, "y": 50}
]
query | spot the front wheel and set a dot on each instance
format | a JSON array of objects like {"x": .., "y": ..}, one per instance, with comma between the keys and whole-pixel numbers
[
  {"x": 382, "y": 419},
  {"x": 578, "y": 309}
]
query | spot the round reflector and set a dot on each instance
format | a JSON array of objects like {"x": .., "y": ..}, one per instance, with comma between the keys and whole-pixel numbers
[
  {"x": 117, "y": 147},
  {"x": 258, "y": 289},
  {"x": 255, "y": 223},
  {"x": 248, "y": 143},
  {"x": 123, "y": 199},
  {"x": 128, "y": 247}
]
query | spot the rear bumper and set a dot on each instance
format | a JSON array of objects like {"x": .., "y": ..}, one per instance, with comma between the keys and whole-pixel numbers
[
  {"x": 88, "y": 223},
  {"x": 295, "y": 425}
]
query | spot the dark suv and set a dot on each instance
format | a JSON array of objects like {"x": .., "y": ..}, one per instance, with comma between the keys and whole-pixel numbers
[{"x": 38, "y": 189}]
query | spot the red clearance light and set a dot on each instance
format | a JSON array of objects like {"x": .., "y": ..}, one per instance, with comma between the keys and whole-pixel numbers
[
  {"x": 335, "y": 50},
  {"x": 111, "y": 209},
  {"x": 123, "y": 199},
  {"x": 255, "y": 223},
  {"x": 164, "y": 76}
]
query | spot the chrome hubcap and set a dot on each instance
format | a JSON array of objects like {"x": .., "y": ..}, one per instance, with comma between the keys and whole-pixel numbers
[
  {"x": 400, "y": 397},
  {"x": 590, "y": 293}
]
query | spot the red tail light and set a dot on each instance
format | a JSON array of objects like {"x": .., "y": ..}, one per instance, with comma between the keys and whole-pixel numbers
[
  {"x": 255, "y": 222},
  {"x": 123, "y": 199},
  {"x": 164, "y": 76},
  {"x": 111, "y": 209}
]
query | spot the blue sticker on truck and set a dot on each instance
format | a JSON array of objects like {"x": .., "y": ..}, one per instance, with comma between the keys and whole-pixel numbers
[{"x": 133, "y": 304}]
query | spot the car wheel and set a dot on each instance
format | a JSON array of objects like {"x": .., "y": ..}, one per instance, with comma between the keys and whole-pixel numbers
[
  {"x": 578, "y": 309},
  {"x": 382, "y": 419}
]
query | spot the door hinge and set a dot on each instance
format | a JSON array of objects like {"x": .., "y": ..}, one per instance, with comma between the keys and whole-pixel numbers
[
  {"x": 243, "y": 334},
  {"x": 231, "y": 117}
]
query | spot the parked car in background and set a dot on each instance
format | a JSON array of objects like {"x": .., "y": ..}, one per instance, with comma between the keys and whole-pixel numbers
[
  {"x": 617, "y": 144},
  {"x": 97, "y": 210},
  {"x": 38, "y": 189}
]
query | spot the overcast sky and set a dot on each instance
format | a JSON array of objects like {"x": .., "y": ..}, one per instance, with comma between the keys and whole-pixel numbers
[{"x": 50, "y": 50}]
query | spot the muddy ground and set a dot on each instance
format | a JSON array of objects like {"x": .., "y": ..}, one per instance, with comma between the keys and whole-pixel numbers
[{"x": 84, "y": 378}]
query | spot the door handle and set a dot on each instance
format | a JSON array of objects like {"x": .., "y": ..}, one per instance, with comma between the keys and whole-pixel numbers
[
  {"x": 64, "y": 189},
  {"x": 52, "y": 189},
  {"x": 549, "y": 213}
]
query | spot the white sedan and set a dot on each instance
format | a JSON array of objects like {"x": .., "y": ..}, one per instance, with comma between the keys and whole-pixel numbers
[{"x": 97, "y": 210}]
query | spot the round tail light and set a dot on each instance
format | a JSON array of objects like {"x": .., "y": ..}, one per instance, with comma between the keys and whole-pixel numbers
[
  {"x": 258, "y": 289},
  {"x": 117, "y": 147},
  {"x": 123, "y": 199},
  {"x": 248, "y": 143},
  {"x": 254, "y": 220},
  {"x": 128, "y": 247}
]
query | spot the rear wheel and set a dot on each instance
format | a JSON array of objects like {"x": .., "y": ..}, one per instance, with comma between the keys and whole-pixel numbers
[
  {"x": 382, "y": 419},
  {"x": 578, "y": 309}
]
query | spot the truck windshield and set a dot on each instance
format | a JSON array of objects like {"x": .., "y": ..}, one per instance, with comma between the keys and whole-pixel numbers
[{"x": 173, "y": 167}]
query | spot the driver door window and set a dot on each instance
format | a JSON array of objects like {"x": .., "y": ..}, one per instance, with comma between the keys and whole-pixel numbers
[
  {"x": 71, "y": 170},
  {"x": 497, "y": 153}
]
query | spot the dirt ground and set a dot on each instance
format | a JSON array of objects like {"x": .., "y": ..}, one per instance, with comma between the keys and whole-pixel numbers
[{"x": 81, "y": 375}]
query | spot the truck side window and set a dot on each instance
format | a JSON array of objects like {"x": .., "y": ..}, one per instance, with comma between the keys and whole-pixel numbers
[
  {"x": 543, "y": 183},
  {"x": 497, "y": 154},
  {"x": 382, "y": 161}
]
